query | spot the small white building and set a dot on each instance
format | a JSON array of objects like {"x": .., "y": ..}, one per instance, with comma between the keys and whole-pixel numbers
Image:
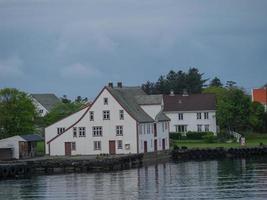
[
  {"x": 194, "y": 112},
  {"x": 19, "y": 146},
  {"x": 44, "y": 102},
  {"x": 121, "y": 120}
]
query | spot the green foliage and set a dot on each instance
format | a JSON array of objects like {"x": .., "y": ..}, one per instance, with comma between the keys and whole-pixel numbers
[
  {"x": 209, "y": 138},
  {"x": 177, "y": 136},
  {"x": 190, "y": 81},
  {"x": 62, "y": 110},
  {"x": 216, "y": 82},
  {"x": 235, "y": 111},
  {"x": 256, "y": 117},
  {"x": 192, "y": 135},
  {"x": 17, "y": 113}
]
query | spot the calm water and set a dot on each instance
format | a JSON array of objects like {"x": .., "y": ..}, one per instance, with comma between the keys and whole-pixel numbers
[{"x": 227, "y": 179}]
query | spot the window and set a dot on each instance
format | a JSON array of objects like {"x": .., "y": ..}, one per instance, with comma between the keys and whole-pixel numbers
[
  {"x": 119, "y": 144},
  {"x": 106, "y": 115},
  {"x": 207, "y": 127},
  {"x": 73, "y": 146},
  {"x": 166, "y": 125},
  {"x": 206, "y": 115},
  {"x": 199, "y": 127},
  {"x": 74, "y": 131},
  {"x": 162, "y": 126},
  {"x": 119, "y": 130},
  {"x": 198, "y": 115},
  {"x": 105, "y": 101},
  {"x": 181, "y": 128},
  {"x": 81, "y": 131},
  {"x": 148, "y": 128},
  {"x": 144, "y": 126},
  {"x": 140, "y": 129},
  {"x": 97, "y": 145},
  {"x": 97, "y": 131},
  {"x": 121, "y": 115},
  {"x": 41, "y": 111},
  {"x": 60, "y": 130},
  {"x": 91, "y": 115},
  {"x": 180, "y": 116}
]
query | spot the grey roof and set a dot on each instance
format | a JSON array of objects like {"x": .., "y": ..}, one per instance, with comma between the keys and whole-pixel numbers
[
  {"x": 149, "y": 99},
  {"x": 32, "y": 137},
  {"x": 162, "y": 117},
  {"x": 192, "y": 102},
  {"x": 46, "y": 100},
  {"x": 126, "y": 97}
]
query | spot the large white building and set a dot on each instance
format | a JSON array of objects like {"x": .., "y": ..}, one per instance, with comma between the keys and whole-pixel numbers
[
  {"x": 194, "y": 112},
  {"x": 121, "y": 120}
]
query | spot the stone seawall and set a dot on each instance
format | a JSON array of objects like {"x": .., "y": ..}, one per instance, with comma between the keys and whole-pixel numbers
[
  {"x": 25, "y": 168},
  {"x": 217, "y": 153}
]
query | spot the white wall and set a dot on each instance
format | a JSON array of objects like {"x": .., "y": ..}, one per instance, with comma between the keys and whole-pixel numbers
[
  {"x": 147, "y": 134},
  {"x": 190, "y": 119},
  {"x": 51, "y": 131},
  {"x": 85, "y": 145},
  {"x": 152, "y": 110},
  {"x": 12, "y": 142}
]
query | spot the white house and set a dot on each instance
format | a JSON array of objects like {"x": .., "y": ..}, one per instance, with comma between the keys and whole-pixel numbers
[
  {"x": 194, "y": 112},
  {"x": 44, "y": 102},
  {"x": 121, "y": 120}
]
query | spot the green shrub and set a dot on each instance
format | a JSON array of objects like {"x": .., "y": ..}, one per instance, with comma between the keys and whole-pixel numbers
[
  {"x": 176, "y": 136},
  {"x": 209, "y": 138}
]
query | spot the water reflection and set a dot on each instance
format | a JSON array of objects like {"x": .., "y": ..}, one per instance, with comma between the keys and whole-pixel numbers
[{"x": 224, "y": 179}]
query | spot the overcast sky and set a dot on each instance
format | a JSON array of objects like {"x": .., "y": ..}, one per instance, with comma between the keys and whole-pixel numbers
[{"x": 77, "y": 47}]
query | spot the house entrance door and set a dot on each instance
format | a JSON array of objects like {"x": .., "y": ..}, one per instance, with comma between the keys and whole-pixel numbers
[
  {"x": 112, "y": 147},
  {"x": 145, "y": 146},
  {"x": 67, "y": 148}
]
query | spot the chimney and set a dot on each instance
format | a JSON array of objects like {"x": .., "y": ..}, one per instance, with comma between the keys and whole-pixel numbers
[
  {"x": 185, "y": 93},
  {"x": 171, "y": 92},
  {"x": 110, "y": 84},
  {"x": 119, "y": 84}
]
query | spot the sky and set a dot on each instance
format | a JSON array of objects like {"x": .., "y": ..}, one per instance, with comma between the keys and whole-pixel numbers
[{"x": 76, "y": 47}]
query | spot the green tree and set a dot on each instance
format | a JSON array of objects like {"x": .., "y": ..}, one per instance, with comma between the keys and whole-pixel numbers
[
  {"x": 17, "y": 113},
  {"x": 62, "y": 110},
  {"x": 256, "y": 117},
  {"x": 216, "y": 82},
  {"x": 192, "y": 81}
]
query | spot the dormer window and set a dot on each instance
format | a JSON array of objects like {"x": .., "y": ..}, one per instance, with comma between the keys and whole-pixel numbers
[{"x": 105, "y": 101}]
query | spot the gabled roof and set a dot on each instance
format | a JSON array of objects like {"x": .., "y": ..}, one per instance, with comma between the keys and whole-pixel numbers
[
  {"x": 162, "y": 117},
  {"x": 126, "y": 97},
  {"x": 46, "y": 100},
  {"x": 192, "y": 102},
  {"x": 149, "y": 99}
]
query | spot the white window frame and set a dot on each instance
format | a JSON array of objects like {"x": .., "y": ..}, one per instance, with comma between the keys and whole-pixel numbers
[
  {"x": 73, "y": 146},
  {"x": 106, "y": 115},
  {"x": 91, "y": 115},
  {"x": 207, "y": 127},
  {"x": 180, "y": 116},
  {"x": 82, "y": 132},
  {"x": 119, "y": 144},
  {"x": 60, "y": 130},
  {"x": 199, "y": 128},
  {"x": 97, "y": 131},
  {"x": 199, "y": 115},
  {"x": 206, "y": 115},
  {"x": 97, "y": 145},
  {"x": 119, "y": 130},
  {"x": 74, "y": 129},
  {"x": 181, "y": 128},
  {"x": 121, "y": 113},
  {"x": 105, "y": 101}
]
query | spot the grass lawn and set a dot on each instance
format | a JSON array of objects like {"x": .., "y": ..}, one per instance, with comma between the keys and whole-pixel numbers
[{"x": 250, "y": 142}]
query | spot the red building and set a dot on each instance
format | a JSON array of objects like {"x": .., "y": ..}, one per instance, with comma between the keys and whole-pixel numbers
[{"x": 260, "y": 95}]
